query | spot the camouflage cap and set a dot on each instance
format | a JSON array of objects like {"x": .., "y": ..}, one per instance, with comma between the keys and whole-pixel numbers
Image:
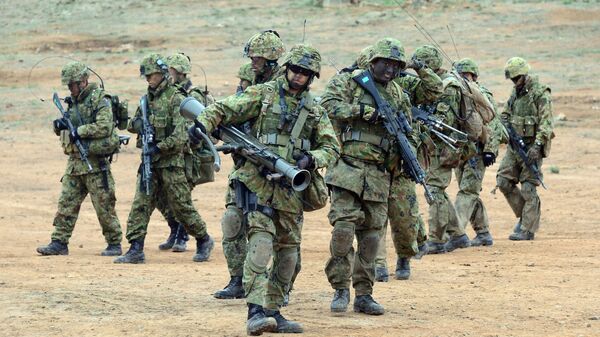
[
  {"x": 305, "y": 56},
  {"x": 73, "y": 72},
  {"x": 266, "y": 44},
  {"x": 516, "y": 66},
  {"x": 430, "y": 55},
  {"x": 363, "y": 57},
  {"x": 152, "y": 63},
  {"x": 388, "y": 48},
  {"x": 180, "y": 62},
  {"x": 467, "y": 65}
]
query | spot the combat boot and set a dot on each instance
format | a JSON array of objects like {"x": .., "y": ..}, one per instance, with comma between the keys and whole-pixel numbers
[
  {"x": 257, "y": 321},
  {"x": 381, "y": 274},
  {"x": 457, "y": 242},
  {"x": 521, "y": 236},
  {"x": 284, "y": 325},
  {"x": 232, "y": 290},
  {"x": 482, "y": 239},
  {"x": 340, "y": 301},
  {"x": 517, "y": 227},
  {"x": 403, "y": 268},
  {"x": 181, "y": 239},
  {"x": 112, "y": 250},
  {"x": 134, "y": 255},
  {"x": 173, "y": 225},
  {"x": 55, "y": 247},
  {"x": 422, "y": 251},
  {"x": 436, "y": 248},
  {"x": 366, "y": 304},
  {"x": 204, "y": 246}
]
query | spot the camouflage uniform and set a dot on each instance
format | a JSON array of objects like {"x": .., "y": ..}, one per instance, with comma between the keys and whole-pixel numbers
[
  {"x": 278, "y": 234},
  {"x": 529, "y": 111},
  {"x": 91, "y": 115},
  {"x": 360, "y": 180}
]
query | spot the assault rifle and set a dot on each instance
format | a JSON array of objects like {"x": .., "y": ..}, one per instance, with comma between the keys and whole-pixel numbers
[
  {"x": 83, "y": 152},
  {"x": 437, "y": 127},
  {"x": 251, "y": 149},
  {"x": 398, "y": 127},
  {"x": 147, "y": 141},
  {"x": 518, "y": 145}
]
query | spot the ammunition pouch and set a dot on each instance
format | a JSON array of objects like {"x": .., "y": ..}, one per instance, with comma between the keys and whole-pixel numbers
[
  {"x": 283, "y": 140},
  {"x": 120, "y": 113},
  {"x": 316, "y": 194},
  {"x": 247, "y": 200},
  {"x": 103, "y": 146},
  {"x": 359, "y": 136},
  {"x": 199, "y": 167}
]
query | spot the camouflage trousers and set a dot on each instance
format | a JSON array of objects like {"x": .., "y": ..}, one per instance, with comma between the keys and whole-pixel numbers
[
  {"x": 74, "y": 190},
  {"x": 524, "y": 201},
  {"x": 167, "y": 182},
  {"x": 277, "y": 237},
  {"x": 442, "y": 215},
  {"x": 351, "y": 216},
  {"x": 468, "y": 204},
  {"x": 404, "y": 221}
]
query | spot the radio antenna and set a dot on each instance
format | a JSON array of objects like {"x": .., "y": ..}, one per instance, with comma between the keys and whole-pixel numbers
[
  {"x": 304, "y": 31},
  {"x": 453, "y": 43}
]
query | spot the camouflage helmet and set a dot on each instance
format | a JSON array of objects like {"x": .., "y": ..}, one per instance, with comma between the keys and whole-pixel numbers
[
  {"x": 516, "y": 66},
  {"x": 388, "y": 48},
  {"x": 180, "y": 62},
  {"x": 305, "y": 56},
  {"x": 73, "y": 72},
  {"x": 152, "y": 63},
  {"x": 265, "y": 44},
  {"x": 430, "y": 55},
  {"x": 363, "y": 57},
  {"x": 467, "y": 65}
]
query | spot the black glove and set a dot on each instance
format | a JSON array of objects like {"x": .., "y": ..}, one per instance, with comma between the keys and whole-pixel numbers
[
  {"x": 534, "y": 154},
  {"x": 488, "y": 159},
  {"x": 152, "y": 149},
  {"x": 74, "y": 136},
  {"x": 415, "y": 64},
  {"x": 305, "y": 161},
  {"x": 60, "y": 124},
  {"x": 193, "y": 133}
]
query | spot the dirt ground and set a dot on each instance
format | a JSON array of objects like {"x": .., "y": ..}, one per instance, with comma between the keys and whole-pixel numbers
[{"x": 546, "y": 287}]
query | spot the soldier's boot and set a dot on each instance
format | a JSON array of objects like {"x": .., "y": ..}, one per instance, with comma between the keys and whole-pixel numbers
[
  {"x": 482, "y": 239},
  {"x": 341, "y": 300},
  {"x": 168, "y": 244},
  {"x": 366, "y": 304},
  {"x": 232, "y": 290},
  {"x": 381, "y": 274},
  {"x": 284, "y": 325},
  {"x": 55, "y": 247},
  {"x": 517, "y": 228},
  {"x": 135, "y": 254},
  {"x": 457, "y": 242},
  {"x": 403, "y": 268},
  {"x": 181, "y": 239},
  {"x": 436, "y": 248},
  {"x": 204, "y": 246},
  {"x": 521, "y": 236},
  {"x": 422, "y": 251},
  {"x": 112, "y": 250},
  {"x": 258, "y": 322}
]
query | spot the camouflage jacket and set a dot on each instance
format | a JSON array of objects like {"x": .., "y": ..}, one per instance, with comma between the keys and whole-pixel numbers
[
  {"x": 248, "y": 77},
  {"x": 498, "y": 133},
  {"x": 91, "y": 114},
  {"x": 262, "y": 103},
  {"x": 530, "y": 113},
  {"x": 170, "y": 133}
]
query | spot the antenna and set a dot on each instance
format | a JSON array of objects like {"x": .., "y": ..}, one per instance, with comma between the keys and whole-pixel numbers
[
  {"x": 304, "y": 31},
  {"x": 332, "y": 63},
  {"x": 453, "y": 43}
]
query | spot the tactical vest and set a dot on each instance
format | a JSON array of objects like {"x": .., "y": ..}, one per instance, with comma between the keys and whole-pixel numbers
[
  {"x": 525, "y": 116},
  {"x": 160, "y": 115}
]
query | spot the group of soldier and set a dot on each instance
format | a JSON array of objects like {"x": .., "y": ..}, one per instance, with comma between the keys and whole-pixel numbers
[{"x": 343, "y": 131}]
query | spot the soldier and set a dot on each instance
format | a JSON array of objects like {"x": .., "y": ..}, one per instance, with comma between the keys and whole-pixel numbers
[
  {"x": 275, "y": 221},
  {"x": 529, "y": 112},
  {"x": 360, "y": 180},
  {"x": 470, "y": 173},
  {"x": 91, "y": 115},
  {"x": 403, "y": 208},
  {"x": 264, "y": 49},
  {"x": 168, "y": 177}
]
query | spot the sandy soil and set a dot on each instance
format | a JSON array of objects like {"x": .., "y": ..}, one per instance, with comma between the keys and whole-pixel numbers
[{"x": 548, "y": 287}]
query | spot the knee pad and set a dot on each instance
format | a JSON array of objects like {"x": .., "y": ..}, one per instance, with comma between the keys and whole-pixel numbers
[
  {"x": 342, "y": 238},
  {"x": 506, "y": 186},
  {"x": 367, "y": 247},
  {"x": 231, "y": 223},
  {"x": 260, "y": 248},
  {"x": 286, "y": 264},
  {"x": 529, "y": 191}
]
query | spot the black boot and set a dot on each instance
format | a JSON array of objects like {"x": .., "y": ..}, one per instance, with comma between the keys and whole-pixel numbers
[
  {"x": 112, "y": 250},
  {"x": 517, "y": 227},
  {"x": 55, "y": 247},
  {"x": 180, "y": 239},
  {"x": 422, "y": 251},
  {"x": 257, "y": 321},
  {"x": 204, "y": 246},
  {"x": 482, "y": 239},
  {"x": 284, "y": 325},
  {"x": 340, "y": 301},
  {"x": 403, "y": 268},
  {"x": 381, "y": 274},
  {"x": 232, "y": 290},
  {"x": 366, "y": 304},
  {"x": 436, "y": 248},
  {"x": 173, "y": 225},
  {"x": 135, "y": 254},
  {"x": 521, "y": 236},
  {"x": 457, "y": 242}
]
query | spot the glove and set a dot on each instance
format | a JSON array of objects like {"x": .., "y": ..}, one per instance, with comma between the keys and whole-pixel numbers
[
  {"x": 305, "y": 161},
  {"x": 193, "y": 133},
  {"x": 74, "y": 136},
  {"x": 60, "y": 124},
  {"x": 137, "y": 124},
  {"x": 368, "y": 113},
  {"x": 534, "y": 154},
  {"x": 415, "y": 64},
  {"x": 152, "y": 149},
  {"x": 488, "y": 159}
]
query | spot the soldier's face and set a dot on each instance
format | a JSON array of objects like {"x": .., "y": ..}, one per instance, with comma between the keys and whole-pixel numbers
[
  {"x": 469, "y": 76},
  {"x": 154, "y": 80},
  {"x": 258, "y": 64},
  {"x": 384, "y": 70},
  {"x": 298, "y": 77},
  {"x": 76, "y": 87},
  {"x": 176, "y": 76},
  {"x": 518, "y": 80}
]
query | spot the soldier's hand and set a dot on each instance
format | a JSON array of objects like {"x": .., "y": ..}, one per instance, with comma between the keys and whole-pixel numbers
[
  {"x": 152, "y": 149},
  {"x": 488, "y": 159},
  {"x": 534, "y": 154},
  {"x": 194, "y": 132},
  {"x": 305, "y": 161},
  {"x": 74, "y": 136},
  {"x": 60, "y": 124},
  {"x": 368, "y": 113},
  {"x": 415, "y": 64},
  {"x": 137, "y": 124}
]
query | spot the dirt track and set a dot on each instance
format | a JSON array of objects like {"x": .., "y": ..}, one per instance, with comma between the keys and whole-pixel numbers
[{"x": 548, "y": 287}]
